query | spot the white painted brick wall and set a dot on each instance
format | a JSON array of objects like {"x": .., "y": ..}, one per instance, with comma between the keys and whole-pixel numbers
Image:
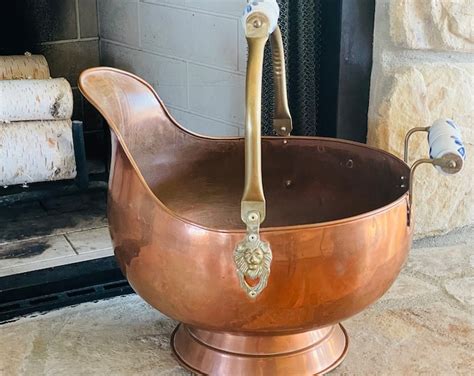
[
  {"x": 118, "y": 20},
  {"x": 167, "y": 76},
  {"x": 216, "y": 93},
  {"x": 193, "y": 52}
]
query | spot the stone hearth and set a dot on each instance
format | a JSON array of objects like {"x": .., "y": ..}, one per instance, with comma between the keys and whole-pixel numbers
[
  {"x": 422, "y": 326},
  {"x": 423, "y": 69}
]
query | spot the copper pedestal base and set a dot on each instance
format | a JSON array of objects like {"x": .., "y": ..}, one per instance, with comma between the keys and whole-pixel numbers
[{"x": 211, "y": 353}]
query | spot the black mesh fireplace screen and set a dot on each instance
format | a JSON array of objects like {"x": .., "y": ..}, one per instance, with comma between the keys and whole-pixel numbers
[{"x": 300, "y": 23}]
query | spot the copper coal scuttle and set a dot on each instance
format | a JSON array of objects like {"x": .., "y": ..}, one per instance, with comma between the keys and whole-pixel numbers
[{"x": 259, "y": 281}]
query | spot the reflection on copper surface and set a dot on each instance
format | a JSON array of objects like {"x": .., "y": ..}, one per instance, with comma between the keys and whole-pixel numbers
[{"x": 338, "y": 233}]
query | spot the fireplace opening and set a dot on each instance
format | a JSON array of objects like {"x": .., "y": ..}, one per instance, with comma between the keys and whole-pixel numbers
[{"x": 54, "y": 244}]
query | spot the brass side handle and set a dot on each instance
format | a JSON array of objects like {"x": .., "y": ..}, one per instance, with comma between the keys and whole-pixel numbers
[{"x": 447, "y": 151}]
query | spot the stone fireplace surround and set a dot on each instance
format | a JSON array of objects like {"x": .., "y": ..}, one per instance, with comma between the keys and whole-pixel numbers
[{"x": 423, "y": 69}]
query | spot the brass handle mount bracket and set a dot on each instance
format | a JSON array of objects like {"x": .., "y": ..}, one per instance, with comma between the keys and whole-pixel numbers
[{"x": 253, "y": 257}]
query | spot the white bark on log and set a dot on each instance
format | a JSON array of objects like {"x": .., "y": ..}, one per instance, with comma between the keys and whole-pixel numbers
[
  {"x": 36, "y": 151},
  {"x": 17, "y": 67},
  {"x": 35, "y": 100}
]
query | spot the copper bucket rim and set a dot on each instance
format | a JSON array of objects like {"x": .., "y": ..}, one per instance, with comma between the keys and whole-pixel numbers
[{"x": 263, "y": 230}]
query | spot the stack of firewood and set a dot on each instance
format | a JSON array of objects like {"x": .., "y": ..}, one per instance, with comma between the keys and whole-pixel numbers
[{"x": 35, "y": 122}]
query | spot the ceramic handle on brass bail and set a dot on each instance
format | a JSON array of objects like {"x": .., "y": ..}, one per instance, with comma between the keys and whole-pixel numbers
[
  {"x": 447, "y": 151},
  {"x": 252, "y": 256}
]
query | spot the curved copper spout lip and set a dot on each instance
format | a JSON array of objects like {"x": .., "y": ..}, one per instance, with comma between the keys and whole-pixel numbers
[{"x": 230, "y": 138}]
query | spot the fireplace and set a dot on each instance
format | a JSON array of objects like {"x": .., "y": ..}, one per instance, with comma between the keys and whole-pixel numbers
[
  {"x": 194, "y": 55},
  {"x": 43, "y": 224}
]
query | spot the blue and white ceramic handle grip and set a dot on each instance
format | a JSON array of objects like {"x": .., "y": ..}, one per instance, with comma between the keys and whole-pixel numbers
[
  {"x": 447, "y": 151},
  {"x": 269, "y": 8},
  {"x": 445, "y": 141}
]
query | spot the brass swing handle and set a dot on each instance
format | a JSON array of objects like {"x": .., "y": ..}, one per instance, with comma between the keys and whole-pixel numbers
[
  {"x": 253, "y": 198},
  {"x": 252, "y": 256},
  {"x": 259, "y": 23}
]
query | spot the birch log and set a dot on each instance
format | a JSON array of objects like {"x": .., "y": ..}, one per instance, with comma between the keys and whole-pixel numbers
[
  {"x": 36, "y": 151},
  {"x": 35, "y": 100},
  {"x": 26, "y": 66}
]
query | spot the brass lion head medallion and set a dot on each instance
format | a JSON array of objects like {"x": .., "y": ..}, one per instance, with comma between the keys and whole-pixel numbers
[{"x": 252, "y": 258}]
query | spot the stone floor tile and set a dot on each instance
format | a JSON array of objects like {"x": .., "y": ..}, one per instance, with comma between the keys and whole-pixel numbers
[
  {"x": 406, "y": 287},
  {"x": 125, "y": 336},
  {"x": 33, "y": 251},
  {"x": 90, "y": 240},
  {"x": 54, "y": 224},
  {"x": 28, "y": 229},
  {"x": 440, "y": 262},
  {"x": 462, "y": 289},
  {"x": 121, "y": 337},
  {"x": 463, "y": 235},
  {"x": 53, "y": 262},
  {"x": 400, "y": 342}
]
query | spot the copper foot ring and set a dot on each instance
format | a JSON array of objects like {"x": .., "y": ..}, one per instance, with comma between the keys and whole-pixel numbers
[{"x": 313, "y": 352}]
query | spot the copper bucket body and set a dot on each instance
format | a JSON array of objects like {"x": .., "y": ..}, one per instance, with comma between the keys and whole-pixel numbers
[{"x": 336, "y": 220}]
